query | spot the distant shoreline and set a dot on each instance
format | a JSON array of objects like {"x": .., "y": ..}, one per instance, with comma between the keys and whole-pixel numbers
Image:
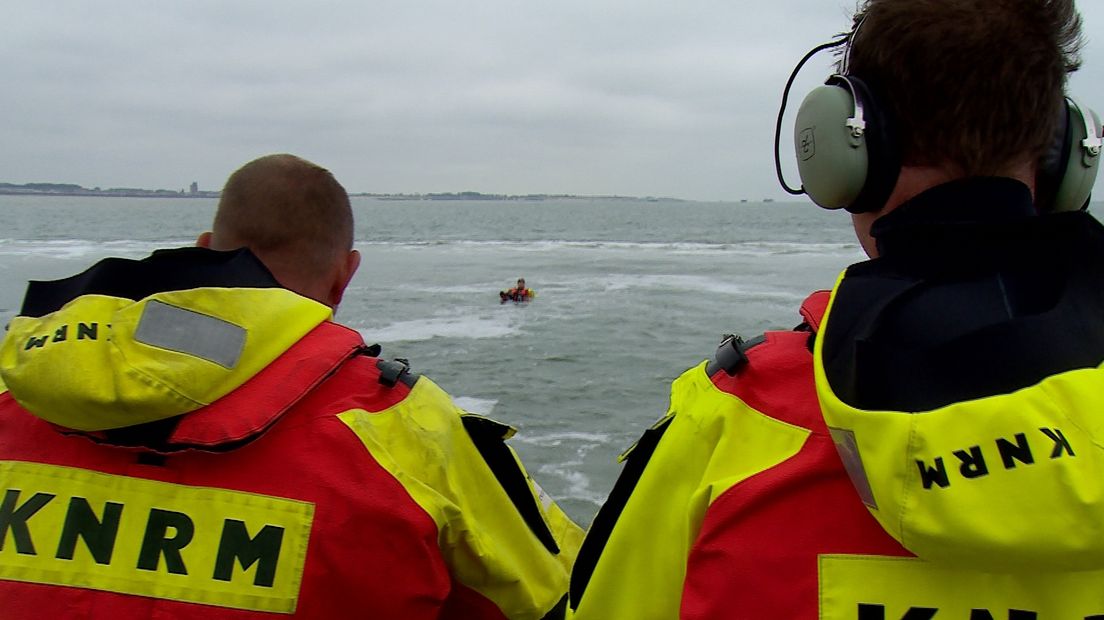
[
  {"x": 70, "y": 189},
  {"x": 67, "y": 189}
]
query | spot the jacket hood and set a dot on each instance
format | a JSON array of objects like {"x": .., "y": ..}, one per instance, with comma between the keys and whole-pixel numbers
[
  {"x": 1012, "y": 480},
  {"x": 107, "y": 358}
]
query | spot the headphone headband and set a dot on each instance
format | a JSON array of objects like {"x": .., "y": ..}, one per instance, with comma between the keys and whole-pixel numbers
[{"x": 845, "y": 66}]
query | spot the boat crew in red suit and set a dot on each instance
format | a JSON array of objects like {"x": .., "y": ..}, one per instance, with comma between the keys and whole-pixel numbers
[{"x": 192, "y": 435}]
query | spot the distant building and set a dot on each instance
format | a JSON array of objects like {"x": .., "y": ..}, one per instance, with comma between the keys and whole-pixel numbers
[{"x": 194, "y": 189}]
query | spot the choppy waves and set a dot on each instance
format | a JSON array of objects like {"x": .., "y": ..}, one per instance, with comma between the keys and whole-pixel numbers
[
  {"x": 68, "y": 249},
  {"x": 461, "y": 326},
  {"x": 745, "y": 248},
  {"x": 623, "y": 307}
]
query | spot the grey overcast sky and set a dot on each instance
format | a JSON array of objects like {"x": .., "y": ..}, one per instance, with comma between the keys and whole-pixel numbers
[{"x": 623, "y": 97}]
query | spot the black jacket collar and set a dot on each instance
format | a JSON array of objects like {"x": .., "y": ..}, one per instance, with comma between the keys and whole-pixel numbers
[
  {"x": 967, "y": 204},
  {"x": 164, "y": 270}
]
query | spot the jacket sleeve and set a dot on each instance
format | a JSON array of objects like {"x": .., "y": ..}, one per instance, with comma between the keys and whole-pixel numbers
[
  {"x": 633, "y": 562},
  {"x": 502, "y": 539}
]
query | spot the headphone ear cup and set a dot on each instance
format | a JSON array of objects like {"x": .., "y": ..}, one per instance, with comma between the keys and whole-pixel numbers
[
  {"x": 1068, "y": 170},
  {"x": 832, "y": 162},
  {"x": 846, "y": 149}
]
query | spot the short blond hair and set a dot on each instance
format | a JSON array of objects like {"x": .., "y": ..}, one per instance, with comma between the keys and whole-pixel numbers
[{"x": 285, "y": 206}]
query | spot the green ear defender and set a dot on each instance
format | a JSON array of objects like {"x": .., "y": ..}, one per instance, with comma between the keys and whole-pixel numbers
[
  {"x": 833, "y": 181},
  {"x": 846, "y": 147}
]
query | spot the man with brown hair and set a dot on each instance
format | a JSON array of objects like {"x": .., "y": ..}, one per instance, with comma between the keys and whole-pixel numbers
[
  {"x": 191, "y": 435},
  {"x": 927, "y": 444}
]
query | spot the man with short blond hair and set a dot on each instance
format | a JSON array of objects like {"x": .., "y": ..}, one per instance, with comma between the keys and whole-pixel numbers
[
  {"x": 192, "y": 435},
  {"x": 295, "y": 217}
]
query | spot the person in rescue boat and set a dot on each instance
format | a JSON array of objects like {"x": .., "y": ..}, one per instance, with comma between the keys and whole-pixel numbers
[
  {"x": 927, "y": 443},
  {"x": 520, "y": 293},
  {"x": 191, "y": 435}
]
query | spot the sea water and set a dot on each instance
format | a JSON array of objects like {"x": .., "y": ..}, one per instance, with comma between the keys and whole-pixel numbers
[{"x": 629, "y": 294}]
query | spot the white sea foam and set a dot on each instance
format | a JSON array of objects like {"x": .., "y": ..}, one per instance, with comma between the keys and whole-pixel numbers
[
  {"x": 568, "y": 474},
  {"x": 577, "y": 438},
  {"x": 60, "y": 248},
  {"x": 746, "y": 248},
  {"x": 83, "y": 248},
  {"x": 481, "y": 406},
  {"x": 457, "y": 289},
  {"x": 789, "y": 247},
  {"x": 712, "y": 285},
  {"x": 577, "y": 484},
  {"x": 475, "y": 327}
]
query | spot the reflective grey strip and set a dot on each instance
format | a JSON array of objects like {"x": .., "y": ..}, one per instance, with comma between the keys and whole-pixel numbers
[
  {"x": 848, "y": 448},
  {"x": 185, "y": 331}
]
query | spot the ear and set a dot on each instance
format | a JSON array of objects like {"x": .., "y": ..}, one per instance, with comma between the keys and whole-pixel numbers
[
  {"x": 343, "y": 277},
  {"x": 204, "y": 240}
]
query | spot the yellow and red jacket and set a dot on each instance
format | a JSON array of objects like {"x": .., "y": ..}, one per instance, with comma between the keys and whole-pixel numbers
[
  {"x": 701, "y": 523},
  {"x": 737, "y": 505},
  {"x": 786, "y": 481},
  {"x": 517, "y": 295},
  {"x": 227, "y": 451}
]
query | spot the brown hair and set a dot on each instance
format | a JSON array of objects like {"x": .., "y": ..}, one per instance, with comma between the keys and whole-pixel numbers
[
  {"x": 976, "y": 84},
  {"x": 286, "y": 208}
]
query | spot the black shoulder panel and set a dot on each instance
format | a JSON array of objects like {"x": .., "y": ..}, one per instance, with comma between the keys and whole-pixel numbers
[
  {"x": 489, "y": 438},
  {"x": 152, "y": 435},
  {"x": 164, "y": 270},
  {"x": 558, "y": 611},
  {"x": 606, "y": 519}
]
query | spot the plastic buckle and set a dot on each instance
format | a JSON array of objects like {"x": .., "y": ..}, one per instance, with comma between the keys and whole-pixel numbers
[
  {"x": 730, "y": 356},
  {"x": 392, "y": 371}
]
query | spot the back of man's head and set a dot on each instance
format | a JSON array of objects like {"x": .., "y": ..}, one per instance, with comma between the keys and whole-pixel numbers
[
  {"x": 973, "y": 84},
  {"x": 294, "y": 216}
]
